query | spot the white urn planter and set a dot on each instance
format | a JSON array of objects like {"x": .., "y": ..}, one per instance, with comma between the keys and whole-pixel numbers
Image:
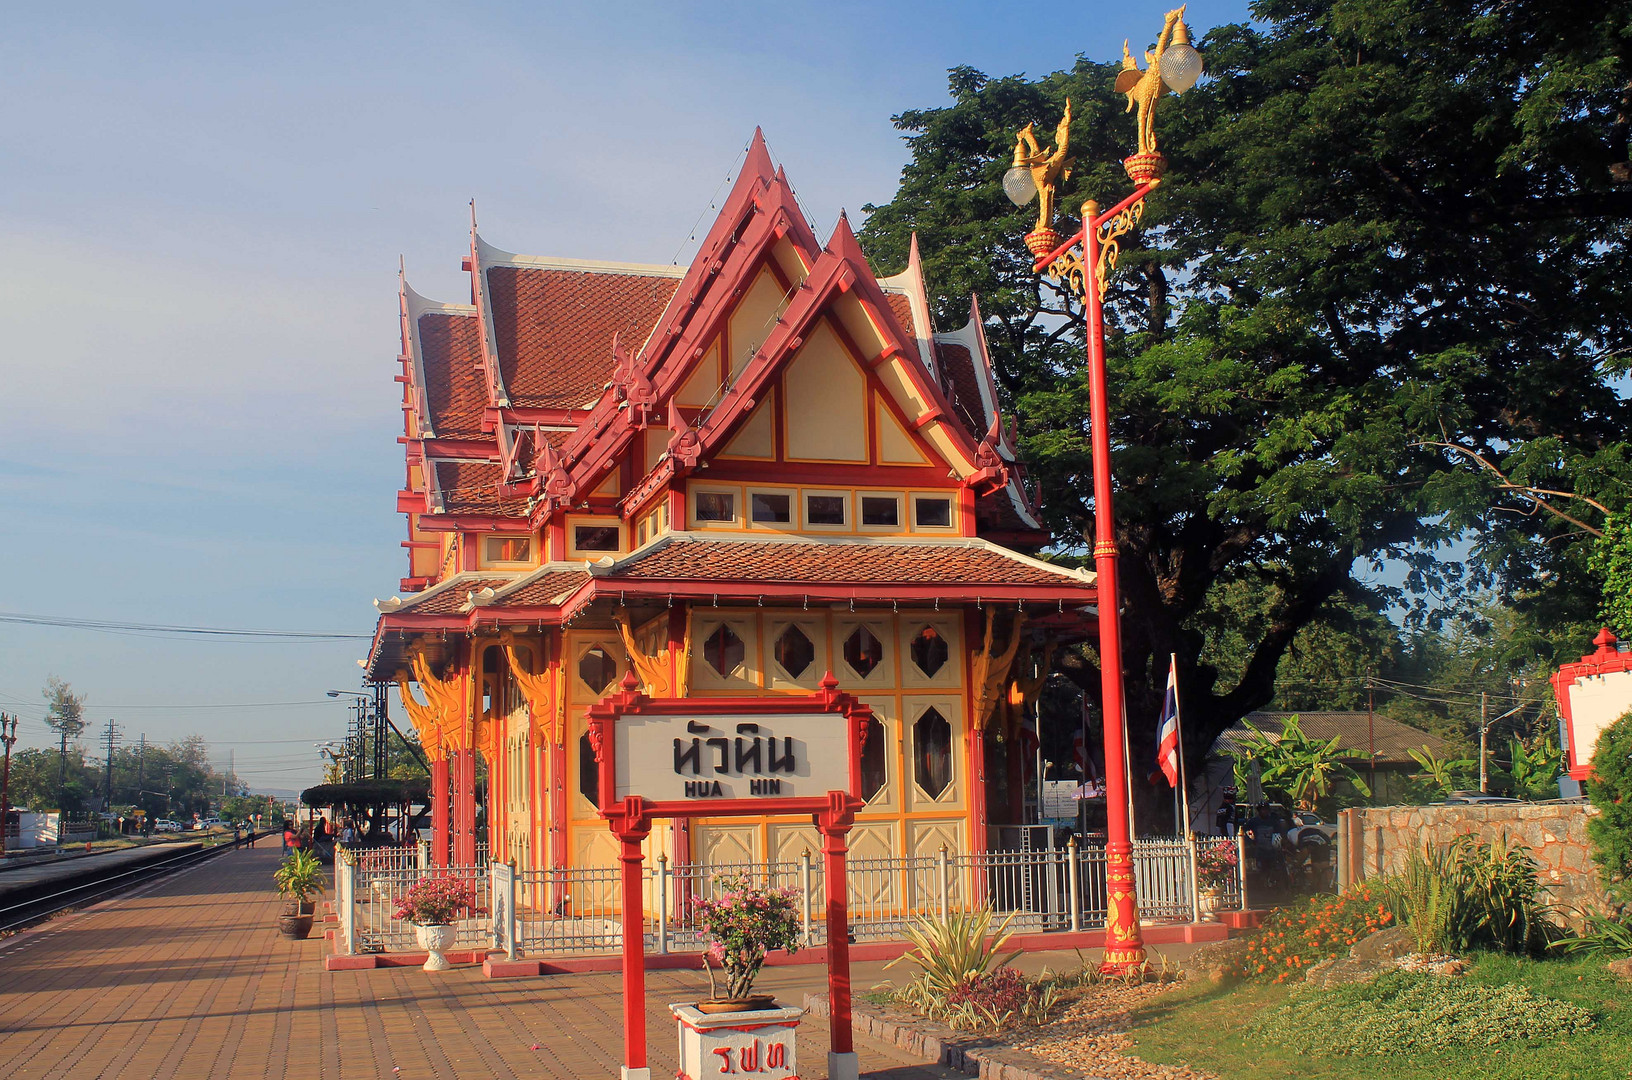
[
  {"x": 435, "y": 939},
  {"x": 759, "y": 1041},
  {"x": 1208, "y": 902}
]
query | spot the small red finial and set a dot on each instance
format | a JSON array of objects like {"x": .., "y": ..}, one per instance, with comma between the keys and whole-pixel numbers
[
  {"x": 1605, "y": 641},
  {"x": 630, "y": 682}
]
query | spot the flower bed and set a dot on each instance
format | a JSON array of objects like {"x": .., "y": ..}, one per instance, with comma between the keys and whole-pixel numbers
[{"x": 1297, "y": 938}]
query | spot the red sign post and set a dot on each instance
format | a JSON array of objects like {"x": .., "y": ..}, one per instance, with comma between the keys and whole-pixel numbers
[{"x": 719, "y": 757}]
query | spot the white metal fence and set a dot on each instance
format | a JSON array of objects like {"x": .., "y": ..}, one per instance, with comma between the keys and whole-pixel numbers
[{"x": 579, "y": 909}]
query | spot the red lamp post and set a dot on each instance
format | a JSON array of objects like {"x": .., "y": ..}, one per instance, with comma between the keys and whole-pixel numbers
[
  {"x": 1083, "y": 262},
  {"x": 8, "y": 736}
]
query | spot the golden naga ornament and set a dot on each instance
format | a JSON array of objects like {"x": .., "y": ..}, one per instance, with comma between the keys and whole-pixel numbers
[
  {"x": 1043, "y": 171},
  {"x": 1173, "y": 65}
]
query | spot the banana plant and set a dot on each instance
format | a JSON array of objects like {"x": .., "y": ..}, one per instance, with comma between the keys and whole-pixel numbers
[
  {"x": 1446, "y": 774},
  {"x": 1305, "y": 769}
]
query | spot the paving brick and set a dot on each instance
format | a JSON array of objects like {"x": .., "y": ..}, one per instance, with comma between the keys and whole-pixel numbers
[{"x": 189, "y": 978}]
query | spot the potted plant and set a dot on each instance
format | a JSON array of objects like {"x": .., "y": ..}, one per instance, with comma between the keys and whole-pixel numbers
[
  {"x": 431, "y": 904},
  {"x": 1215, "y": 866},
  {"x": 743, "y": 923},
  {"x": 299, "y": 878}
]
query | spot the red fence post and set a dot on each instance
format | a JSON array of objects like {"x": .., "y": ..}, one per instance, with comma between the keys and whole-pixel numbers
[{"x": 842, "y": 1063}]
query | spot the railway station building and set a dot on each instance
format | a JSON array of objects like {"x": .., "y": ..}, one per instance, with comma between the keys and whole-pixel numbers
[{"x": 720, "y": 479}]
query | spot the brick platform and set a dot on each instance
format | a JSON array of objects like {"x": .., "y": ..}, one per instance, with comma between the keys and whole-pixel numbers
[{"x": 189, "y": 978}]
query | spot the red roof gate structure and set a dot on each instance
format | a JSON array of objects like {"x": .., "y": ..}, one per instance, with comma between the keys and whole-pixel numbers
[{"x": 718, "y": 757}]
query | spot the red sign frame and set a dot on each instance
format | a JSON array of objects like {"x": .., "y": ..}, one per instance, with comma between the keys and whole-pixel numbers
[{"x": 630, "y": 820}]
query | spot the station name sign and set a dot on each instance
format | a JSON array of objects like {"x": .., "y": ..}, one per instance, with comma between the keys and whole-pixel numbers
[{"x": 736, "y": 756}]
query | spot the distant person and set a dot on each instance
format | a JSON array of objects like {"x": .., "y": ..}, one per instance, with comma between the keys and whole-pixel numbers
[
  {"x": 1225, "y": 820},
  {"x": 288, "y": 838},
  {"x": 1261, "y": 830}
]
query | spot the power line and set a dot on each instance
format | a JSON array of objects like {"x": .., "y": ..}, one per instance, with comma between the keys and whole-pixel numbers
[{"x": 161, "y": 629}]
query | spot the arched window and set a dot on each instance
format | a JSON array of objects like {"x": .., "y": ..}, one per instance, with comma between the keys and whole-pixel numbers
[
  {"x": 597, "y": 669},
  {"x": 929, "y": 650},
  {"x": 724, "y": 652},
  {"x": 863, "y": 651},
  {"x": 932, "y": 752},
  {"x": 794, "y": 651},
  {"x": 874, "y": 755},
  {"x": 589, "y": 771}
]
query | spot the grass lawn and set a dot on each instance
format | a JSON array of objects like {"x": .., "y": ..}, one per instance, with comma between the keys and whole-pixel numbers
[{"x": 1202, "y": 1027}]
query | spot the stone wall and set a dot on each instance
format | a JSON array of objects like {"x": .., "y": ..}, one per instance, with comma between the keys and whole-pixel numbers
[{"x": 1554, "y": 832}]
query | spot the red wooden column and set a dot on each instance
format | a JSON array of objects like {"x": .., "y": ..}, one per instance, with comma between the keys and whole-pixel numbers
[
  {"x": 464, "y": 807},
  {"x": 842, "y": 1063},
  {"x": 439, "y": 811},
  {"x": 632, "y": 828}
]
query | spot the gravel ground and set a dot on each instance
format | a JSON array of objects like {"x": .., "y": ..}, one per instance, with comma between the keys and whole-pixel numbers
[{"x": 1091, "y": 1036}]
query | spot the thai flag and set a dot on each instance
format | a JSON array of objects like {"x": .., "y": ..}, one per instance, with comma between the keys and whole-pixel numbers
[{"x": 1167, "y": 732}]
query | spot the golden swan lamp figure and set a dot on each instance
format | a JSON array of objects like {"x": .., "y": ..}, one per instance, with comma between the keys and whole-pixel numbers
[{"x": 1173, "y": 65}]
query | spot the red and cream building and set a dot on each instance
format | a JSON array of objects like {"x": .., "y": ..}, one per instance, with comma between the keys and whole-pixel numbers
[{"x": 728, "y": 478}]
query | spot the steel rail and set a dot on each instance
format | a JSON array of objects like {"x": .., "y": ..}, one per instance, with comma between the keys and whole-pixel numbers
[{"x": 42, "y": 907}]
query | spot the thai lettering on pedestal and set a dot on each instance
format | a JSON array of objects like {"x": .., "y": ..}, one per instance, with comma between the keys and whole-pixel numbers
[{"x": 757, "y": 1045}]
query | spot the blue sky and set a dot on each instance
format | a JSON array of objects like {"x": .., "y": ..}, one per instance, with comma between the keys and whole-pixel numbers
[{"x": 201, "y": 211}]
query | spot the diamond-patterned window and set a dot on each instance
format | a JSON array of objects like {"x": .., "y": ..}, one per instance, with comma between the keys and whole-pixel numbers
[
  {"x": 794, "y": 651},
  {"x": 932, "y": 752},
  {"x": 597, "y": 669},
  {"x": 874, "y": 773},
  {"x": 929, "y": 650},
  {"x": 589, "y": 772},
  {"x": 863, "y": 651},
  {"x": 723, "y": 651}
]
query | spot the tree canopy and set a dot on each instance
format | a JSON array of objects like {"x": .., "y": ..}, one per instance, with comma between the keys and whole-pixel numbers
[{"x": 1392, "y": 245}]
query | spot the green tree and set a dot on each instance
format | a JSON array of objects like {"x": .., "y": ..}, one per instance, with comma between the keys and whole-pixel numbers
[
  {"x": 1445, "y": 775},
  {"x": 64, "y": 714},
  {"x": 1394, "y": 233}
]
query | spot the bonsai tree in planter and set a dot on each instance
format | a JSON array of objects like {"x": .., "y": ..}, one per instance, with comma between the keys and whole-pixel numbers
[
  {"x": 743, "y": 923},
  {"x": 432, "y": 904},
  {"x": 299, "y": 878}
]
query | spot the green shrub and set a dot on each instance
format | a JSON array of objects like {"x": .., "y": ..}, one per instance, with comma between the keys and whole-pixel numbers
[
  {"x": 964, "y": 980},
  {"x": 1401, "y": 1013},
  {"x": 1604, "y": 936},
  {"x": 1471, "y": 895},
  {"x": 1610, "y": 788}
]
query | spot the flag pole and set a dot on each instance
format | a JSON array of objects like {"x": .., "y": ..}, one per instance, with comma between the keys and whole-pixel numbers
[{"x": 1178, "y": 721}]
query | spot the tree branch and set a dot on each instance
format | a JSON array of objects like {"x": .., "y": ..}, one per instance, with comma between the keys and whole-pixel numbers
[{"x": 1528, "y": 491}]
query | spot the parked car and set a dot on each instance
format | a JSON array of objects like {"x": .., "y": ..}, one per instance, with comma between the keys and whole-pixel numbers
[
  {"x": 1472, "y": 798},
  {"x": 166, "y": 825},
  {"x": 209, "y": 823}
]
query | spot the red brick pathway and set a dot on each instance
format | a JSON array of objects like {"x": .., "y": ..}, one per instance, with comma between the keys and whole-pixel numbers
[{"x": 190, "y": 978}]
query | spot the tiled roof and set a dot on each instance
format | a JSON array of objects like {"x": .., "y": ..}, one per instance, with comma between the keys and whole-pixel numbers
[
  {"x": 901, "y": 306},
  {"x": 1390, "y": 738},
  {"x": 455, "y": 391},
  {"x": 553, "y": 328},
  {"x": 685, "y": 558},
  {"x": 547, "y": 589},
  {"x": 472, "y": 487},
  {"x": 452, "y": 600},
  {"x": 962, "y": 388}
]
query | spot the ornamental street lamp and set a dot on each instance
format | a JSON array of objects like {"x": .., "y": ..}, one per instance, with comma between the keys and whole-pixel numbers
[{"x": 1083, "y": 262}]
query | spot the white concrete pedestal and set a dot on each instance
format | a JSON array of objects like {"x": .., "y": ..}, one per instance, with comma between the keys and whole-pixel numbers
[{"x": 759, "y": 1043}]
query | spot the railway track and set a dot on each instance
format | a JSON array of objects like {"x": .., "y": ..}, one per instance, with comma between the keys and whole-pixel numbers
[{"x": 23, "y": 913}]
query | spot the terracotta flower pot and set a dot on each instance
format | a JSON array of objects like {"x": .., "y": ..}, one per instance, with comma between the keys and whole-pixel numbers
[
  {"x": 751, "y": 1003},
  {"x": 298, "y": 927},
  {"x": 436, "y": 939}
]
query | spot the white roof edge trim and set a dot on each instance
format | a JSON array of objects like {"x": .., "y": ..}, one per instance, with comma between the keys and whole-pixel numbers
[
  {"x": 530, "y": 576},
  {"x": 451, "y": 582},
  {"x": 490, "y": 256}
]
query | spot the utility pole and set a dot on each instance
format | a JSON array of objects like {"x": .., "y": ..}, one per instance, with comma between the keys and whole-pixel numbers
[
  {"x": 111, "y": 735},
  {"x": 1484, "y": 741},
  {"x": 1371, "y": 736},
  {"x": 141, "y": 759},
  {"x": 8, "y": 736}
]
